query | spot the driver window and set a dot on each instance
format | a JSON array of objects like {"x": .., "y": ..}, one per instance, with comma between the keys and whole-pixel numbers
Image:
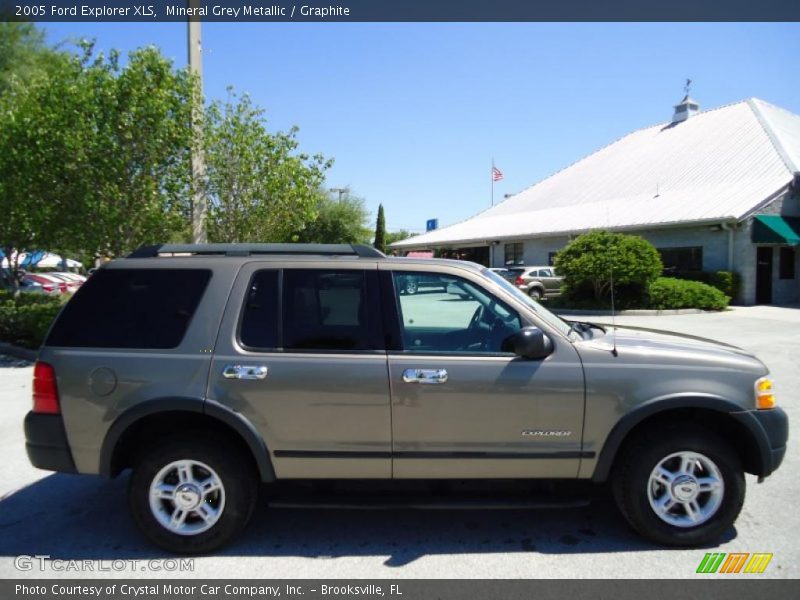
[{"x": 442, "y": 313}]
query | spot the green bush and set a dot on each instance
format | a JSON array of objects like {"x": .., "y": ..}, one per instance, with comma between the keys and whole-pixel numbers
[
  {"x": 587, "y": 262},
  {"x": 670, "y": 293},
  {"x": 727, "y": 282},
  {"x": 24, "y": 320}
]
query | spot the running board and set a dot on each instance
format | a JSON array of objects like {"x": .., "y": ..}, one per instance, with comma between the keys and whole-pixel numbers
[{"x": 427, "y": 502}]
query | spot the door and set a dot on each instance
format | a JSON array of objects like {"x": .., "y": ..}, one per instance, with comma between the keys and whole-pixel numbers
[
  {"x": 302, "y": 356},
  {"x": 463, "y": 408},
  {"x": 764, "y": 275},
  {"x": 552, "y": 284}
]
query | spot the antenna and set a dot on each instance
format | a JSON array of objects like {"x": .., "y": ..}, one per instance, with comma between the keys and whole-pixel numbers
[
  {"x": 613, "y": 317},
  {"x": 688, "y": 86}
]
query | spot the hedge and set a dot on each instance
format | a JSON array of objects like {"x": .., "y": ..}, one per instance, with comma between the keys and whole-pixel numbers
[
  {"x": 25, "y": 319},
  {"x": 727, "y": 282},
  {"x": 669, "y": 293}
]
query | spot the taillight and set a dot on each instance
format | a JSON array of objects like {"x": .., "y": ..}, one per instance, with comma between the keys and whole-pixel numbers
[
  {"x": 45, "y": 392},
  {"x": 48, "y": 287},
  {"x": 519, "y": 281}
]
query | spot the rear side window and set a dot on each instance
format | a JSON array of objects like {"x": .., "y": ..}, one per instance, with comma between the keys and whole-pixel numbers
[
  {"x": 329, "y": 310},
  {"x": 260, "y": 317},
  {"x": 131, "y": 308}
]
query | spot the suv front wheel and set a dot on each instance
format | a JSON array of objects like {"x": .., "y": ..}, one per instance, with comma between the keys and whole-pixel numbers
[
  {"x": 189, "y": 497},
  {"x": 679, "y": 485}
]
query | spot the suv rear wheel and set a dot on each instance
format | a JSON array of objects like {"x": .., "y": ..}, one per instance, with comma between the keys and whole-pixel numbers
[
  {"x": 679, "y": 485},
  {"x": 536, "y": 293},
  {"x": 190, "y": 497}
]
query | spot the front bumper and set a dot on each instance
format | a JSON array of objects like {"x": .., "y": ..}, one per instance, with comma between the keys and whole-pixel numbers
[
  {"x": 46, "y": 443},
  {"x": 770, "y": 429}
]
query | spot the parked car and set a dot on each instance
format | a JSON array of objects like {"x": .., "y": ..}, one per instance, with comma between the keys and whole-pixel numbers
[
  {"x": 412, "y": 283},
  {"x": 211, "y": 369},
  {"x": 537, "y": 282},
  {"x": 504, "y": 273}
]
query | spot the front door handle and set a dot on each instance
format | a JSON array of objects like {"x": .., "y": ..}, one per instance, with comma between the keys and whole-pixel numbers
[
  {"x": 425, "y": 376},
  {"x": 244, "y": 372}
]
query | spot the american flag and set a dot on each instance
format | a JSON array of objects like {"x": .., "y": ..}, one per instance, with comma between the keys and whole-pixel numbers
[{"x": 497, "y": 174}]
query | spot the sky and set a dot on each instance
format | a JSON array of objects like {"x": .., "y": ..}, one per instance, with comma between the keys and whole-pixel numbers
[{"x": 414, "y": 113}]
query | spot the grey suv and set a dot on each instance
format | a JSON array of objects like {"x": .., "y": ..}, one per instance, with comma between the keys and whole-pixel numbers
[{"x": 208, "y": 370}]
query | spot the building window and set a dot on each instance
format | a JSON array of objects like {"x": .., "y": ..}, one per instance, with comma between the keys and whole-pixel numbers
[
  {"x": 682, "y": 259},
  {"x": 513, "y": 254},
  {"x": 786, "y": 263},
  {"x": 551, "y": 258}
]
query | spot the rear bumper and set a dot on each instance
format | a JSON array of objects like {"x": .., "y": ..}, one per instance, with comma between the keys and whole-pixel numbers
[{"x": 46, "y": 443}]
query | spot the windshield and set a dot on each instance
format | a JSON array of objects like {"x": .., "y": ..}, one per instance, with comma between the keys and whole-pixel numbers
[{"x": 540, "y": 310}]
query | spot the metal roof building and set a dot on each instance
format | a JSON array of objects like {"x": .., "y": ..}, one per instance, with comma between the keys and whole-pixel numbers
[{"x": 692, "y": 186}]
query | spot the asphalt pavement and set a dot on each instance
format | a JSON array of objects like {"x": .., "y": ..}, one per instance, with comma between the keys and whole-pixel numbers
[{"x": 83, "y": 521}]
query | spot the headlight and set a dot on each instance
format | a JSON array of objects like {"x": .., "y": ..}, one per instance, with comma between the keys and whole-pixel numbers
[{"x": 765, "y": 398}]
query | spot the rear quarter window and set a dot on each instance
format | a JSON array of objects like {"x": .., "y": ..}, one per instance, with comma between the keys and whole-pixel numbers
[{"x": 131, "y": 308}]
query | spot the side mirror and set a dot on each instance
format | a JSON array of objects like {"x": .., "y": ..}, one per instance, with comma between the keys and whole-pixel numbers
[{"x": 528, "y": 342}]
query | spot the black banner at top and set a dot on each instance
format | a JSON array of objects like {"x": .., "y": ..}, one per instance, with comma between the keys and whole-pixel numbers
[{"x": 399, "y": 10}]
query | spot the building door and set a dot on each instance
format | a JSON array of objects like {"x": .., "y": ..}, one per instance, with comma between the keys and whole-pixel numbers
[{"x": 764, "y": 275}]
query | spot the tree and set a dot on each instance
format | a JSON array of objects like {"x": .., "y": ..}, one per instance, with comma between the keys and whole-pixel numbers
[
  {"x": 338, "y": 221},
  {"x": 95, "y": 156},
  {"x": 380, "y": 231},
  {"x": 260, "y": 188},
  {"x": 589, "y": 261},
  {"x": 396, "y": 236},
  {"x": 23, "y": 53}
]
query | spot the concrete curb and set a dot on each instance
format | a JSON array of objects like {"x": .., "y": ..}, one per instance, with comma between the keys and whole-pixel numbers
[
  {"x": 18, "y": 351},
  {"x": 640, "y": 313}
]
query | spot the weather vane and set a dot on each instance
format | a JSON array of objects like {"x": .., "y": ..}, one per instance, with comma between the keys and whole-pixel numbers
[{"x": 688, "y": 86}]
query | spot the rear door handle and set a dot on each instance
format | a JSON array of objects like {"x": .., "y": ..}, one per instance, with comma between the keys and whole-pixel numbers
[
  {"x": 244, "y": 372},
  {"x": 425, "y": 376}
]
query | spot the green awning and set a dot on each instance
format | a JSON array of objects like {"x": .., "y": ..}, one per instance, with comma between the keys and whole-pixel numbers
[{"x": 775, "y": 229}]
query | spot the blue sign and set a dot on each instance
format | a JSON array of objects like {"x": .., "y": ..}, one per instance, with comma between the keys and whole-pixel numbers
[{"x": 432, "y": 224}]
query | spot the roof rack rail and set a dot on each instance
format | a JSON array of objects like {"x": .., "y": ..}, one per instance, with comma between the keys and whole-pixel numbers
[{"x": 359, "y": 250}]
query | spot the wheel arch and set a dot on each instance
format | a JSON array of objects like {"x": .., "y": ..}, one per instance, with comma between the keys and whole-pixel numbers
[
  {"x": 736, "y": 425},
  {"x": 160, "y": 416}
]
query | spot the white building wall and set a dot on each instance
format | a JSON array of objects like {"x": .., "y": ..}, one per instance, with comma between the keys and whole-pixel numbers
[{"x": 715, "y": 243}]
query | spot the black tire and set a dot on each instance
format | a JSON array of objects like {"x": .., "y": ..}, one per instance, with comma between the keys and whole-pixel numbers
[
  {"x": 233, "y": 467},
  {"x": 411, "y": 286},
  {"x": 639, "y": 458},
  {"x": 535, "y": 293}
]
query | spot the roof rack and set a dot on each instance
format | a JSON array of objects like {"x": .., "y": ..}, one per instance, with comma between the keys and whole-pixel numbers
[{"x": 359, "y": 250}]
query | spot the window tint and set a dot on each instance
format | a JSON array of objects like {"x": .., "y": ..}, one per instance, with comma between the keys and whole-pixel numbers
[
  {"x": 329, "y": 310},
  {"x": 450, "y": 314},
  {"x": 131, "y": 308},
  {"x": 260, "y": 319}
]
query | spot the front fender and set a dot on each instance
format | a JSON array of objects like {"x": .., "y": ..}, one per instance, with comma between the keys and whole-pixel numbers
[{"x": 765, "y": 461}]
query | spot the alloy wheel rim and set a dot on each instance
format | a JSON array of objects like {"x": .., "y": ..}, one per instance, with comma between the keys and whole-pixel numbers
[
  {"x": 187, "y": 497},
  {"x": 685, "y": 489}
]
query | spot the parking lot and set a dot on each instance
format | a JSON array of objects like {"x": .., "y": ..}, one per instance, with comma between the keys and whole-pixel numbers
[{"x": 86, "y": 518}]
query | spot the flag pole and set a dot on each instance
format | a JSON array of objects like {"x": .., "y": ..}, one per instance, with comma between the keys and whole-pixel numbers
[{"x": 491, "y": 176}]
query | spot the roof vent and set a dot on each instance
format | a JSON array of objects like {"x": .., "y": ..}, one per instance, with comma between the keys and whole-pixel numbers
[{"x": 687, "y": 107}]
